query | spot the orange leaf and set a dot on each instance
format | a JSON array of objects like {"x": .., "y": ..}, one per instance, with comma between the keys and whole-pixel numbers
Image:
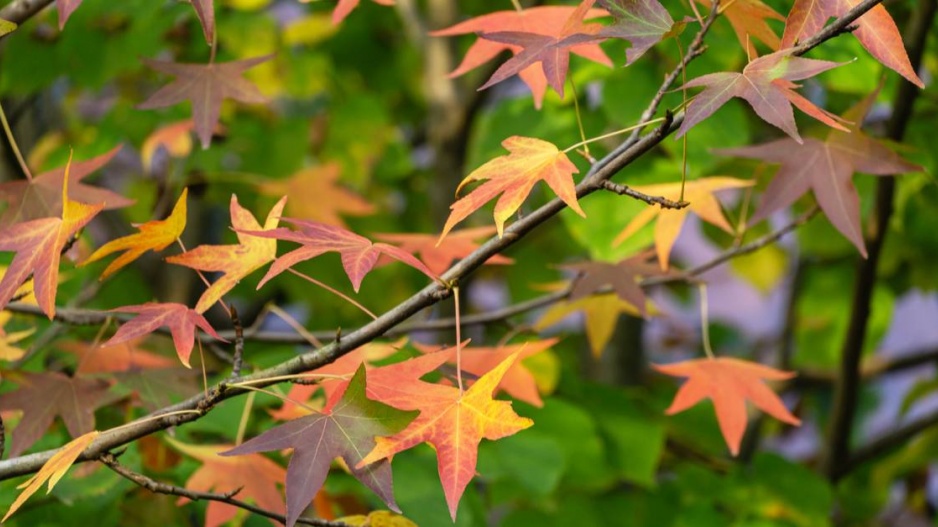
[
  {"x": 154, "y": 235},
  {"x": 39, "y": 245},
  {"x": 702, "y": 202},
  {"x": 106, "y": 358},
  {"x": 729, "y": 383},
  {"x": 256, "y": 476},
  {"x": 235, "y": 261},
  {"x": 454, "y": 423},
  {"x": 319, "y": 196},
  {"x": 176, "y": 138},
  {"x": 513, "y": 176},
  {"x": 440, "y": 256},
  {"x": 53, "y": 470}
]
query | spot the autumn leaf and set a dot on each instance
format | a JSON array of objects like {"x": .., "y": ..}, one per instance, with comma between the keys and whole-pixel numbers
[
  {"x": 703, "y": 203},
  {"x": 623, "y": 277},
  {"x": 600, "y": 312},
  {"x": 344, "y": 7},
  {"x": 42, "y": 396},
  {"x": 875, "y": 30},
  {"x": 541, "y": 20},
  {"x": 346, "y": 430},
  {"x": 175, "y": 138},
  {"x": 513, "y": 176},
  {"x": 518, "y": 381},
  {"x": 205, "y": 85},
  {"x": 729, "y": 383},
  {"x": 256, "y": 476},
  {"x": 642, "y": 22},
  {"x": 180, "y": 320},
  {"x": 454, "y": 423},
  {"x": 749, "y": 19},
  {"x": 52, "y": 470},
  {"x": 551, "y": 51},
  {"x": 107, "y": 358},
  {"x": 235, "y": 261},
  {"x": 377, "y": 519},
  {"x": 319, "y": 195},
  {"x": 42, "y": 196},
  {"x": 766, "y": 84},
  {"x": 39, "y": 245},
  {"x": 154, "y": 236},
  {"x": 205, "y": 11},
  {"x": 439, "y": 257},
  {"x": 826, "y": 168},
  {"x": 359, "y": 254}
]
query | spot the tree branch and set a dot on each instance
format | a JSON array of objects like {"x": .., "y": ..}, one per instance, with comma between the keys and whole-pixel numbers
[
  {"x": 163, "y": 488},
  {"x": 886, "y": 443},
  {"x": 837, "y": 450},
  {"x": 624, "y": 190},
  {"x": 19, "y": 11}
]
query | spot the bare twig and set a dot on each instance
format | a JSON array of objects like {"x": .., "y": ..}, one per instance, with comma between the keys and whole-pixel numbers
[
  {"x": 624, "y": 190},
  {"x": 238, "y": 358},
  {"x": 886, "y": 443},
  {"x": 152, "y": 485},
  {"x": 19, "y": 11}
]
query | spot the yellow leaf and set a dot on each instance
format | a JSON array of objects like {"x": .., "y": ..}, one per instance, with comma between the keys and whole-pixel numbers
[
  {"x": 309, "y": 30},
  {"x": 176, "y": 138},
  {"x": 763, "y": 268},
  {"x": 154, "y": 235},
  {"x": 53, "y": 470},
  {"x": 601, "y": 312},
  {"x": 378, "y": 519},
  {"x": 6, "y": 27}
]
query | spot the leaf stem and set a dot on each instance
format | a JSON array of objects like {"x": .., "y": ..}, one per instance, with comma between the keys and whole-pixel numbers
[
  {"x": 336, "y": 292},
  {"x": 579, "y": 120},
  {"x": 458, "y": 340},
  {"x": 282, "y": 397},
  {"x": 245, "y": 414},
  {"x": 705, "y": 321},
  {"x": 613, "y": 134},
  {"x": 680, "y": 52},
  {"x": 294, "y": 323},
  {"x": 16, "y": 150}
]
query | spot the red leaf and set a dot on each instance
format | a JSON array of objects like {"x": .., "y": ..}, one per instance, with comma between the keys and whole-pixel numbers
[
  {"x": 346, "y": 430},
  {"x": 876, "y": 31},
  {"x": 180, "y": 320},
  {"x": 66, "y": 8},
  {"x": 440, "y": 256},
  {"x": 759, "y": 85},
  {"x": 827, "y": 168},
  {"x": 205, "y": 10},
  {"x": 642, "y": 22},
  {"x": 358, "y": 253},
  {"x": 344, "y": 7},
  {"x": 42, "y": 396},
  {"x": 729, "y": 383},
  {"x": 206, "y": 85}
]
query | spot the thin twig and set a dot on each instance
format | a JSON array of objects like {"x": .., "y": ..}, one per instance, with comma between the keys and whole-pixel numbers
[
  {"x": 238, "y": 358},
  {"x": 624, "y": 190},
  {"x": 228, "y": 497}
]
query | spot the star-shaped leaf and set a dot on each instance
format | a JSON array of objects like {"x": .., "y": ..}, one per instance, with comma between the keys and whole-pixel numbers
[
  {"x": 42, "y": 396},
  {"x": 766, "y": 84},
  {"x": 206, "y": 85},
  {"x": 154, "y": 235},
  {"x": 729, "y": 383},
  {"x": 235, "y": 261},
  {"x": 513, "y": 176},
  {"x": 642, "y": 22},
  {"x": 600, "y": 312},
  {"x": 256, "y": 476},
  {"x": 347, "y": 430},
  {"x": 180, "y": 320},
  {"x": 39, "y": 245},
  {"x": 876, "y": 31},
  {"x": 827, "y": 168},
  {"x": 551, "y": 51},
  {"x": 702, "y": 202},
  {"x": 319, "y": 195},
  {"x": 518, "y": 381},
  {"x": 359, "y": 254},
  {"x": 440, "y": 256},
  {"x": 52, "y": 470},
  {"x": 454, "y": 423},
  {"x": 42, "y": 197},
  {"x": 541, "y": 20},
  {"x": 622, "y": 277}
]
